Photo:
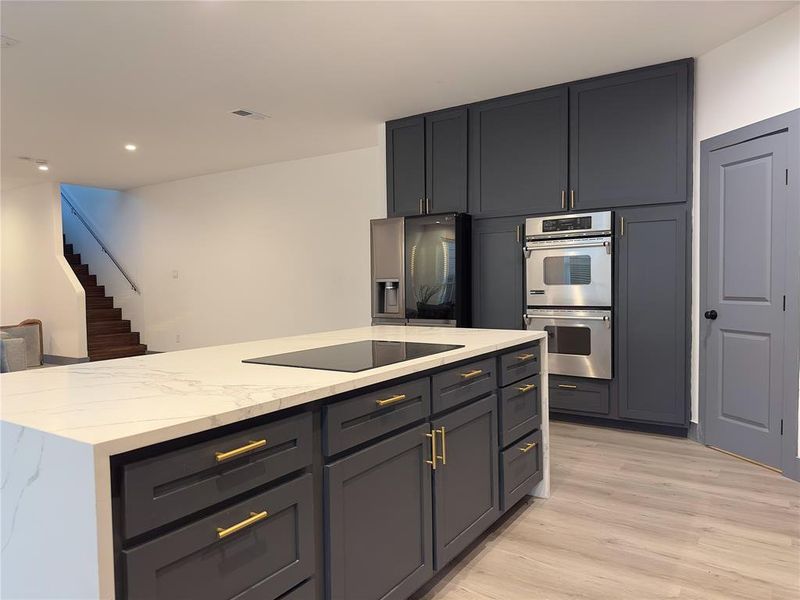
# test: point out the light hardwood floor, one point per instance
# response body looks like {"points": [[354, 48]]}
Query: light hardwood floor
{"points": [[640, 516]]}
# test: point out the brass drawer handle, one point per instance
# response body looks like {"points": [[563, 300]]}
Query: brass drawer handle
{"points": [[527, 388], [389, 401], [223, 532], [443, 455], [567, 386], [525, 356], [249, 447], [471, 374], [528, 447], [432, 461]]}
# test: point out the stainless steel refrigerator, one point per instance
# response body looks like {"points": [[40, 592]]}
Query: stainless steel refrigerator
{"points": [[421, 270]]}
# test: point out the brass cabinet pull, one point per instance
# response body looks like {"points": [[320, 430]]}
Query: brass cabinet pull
{"points": [[471, 374], [223, 532], [528, 447], [518, 236], [443, 455], [427, 205], [249, 447], [527, 388], [432, 461], [393, 400], [567, 386], [525, 356], [421, 207], [572, 198], [621, 226], [564, 199]]}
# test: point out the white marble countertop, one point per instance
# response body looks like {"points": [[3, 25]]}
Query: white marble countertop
{"points": [[119, 405]]}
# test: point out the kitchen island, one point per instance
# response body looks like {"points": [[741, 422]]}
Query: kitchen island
{"points": [[193, 474]]}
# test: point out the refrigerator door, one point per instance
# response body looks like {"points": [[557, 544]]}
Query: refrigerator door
{"points": [[388, 285], [435, 268]]}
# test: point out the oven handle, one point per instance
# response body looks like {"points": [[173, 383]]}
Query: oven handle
{"points": [[553, 318], [568, 246]]}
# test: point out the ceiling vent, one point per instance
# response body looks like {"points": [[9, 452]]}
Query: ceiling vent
{"points": [[249, 114]]}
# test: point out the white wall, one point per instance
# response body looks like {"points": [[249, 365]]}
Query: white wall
{"points": [[35, 280], [267, 251], [750, 78]]}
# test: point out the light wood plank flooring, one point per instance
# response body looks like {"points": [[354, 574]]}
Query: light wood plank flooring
{"points": [[640, 516]]}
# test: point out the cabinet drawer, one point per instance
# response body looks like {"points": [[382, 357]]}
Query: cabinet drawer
{"points": [[164, 488], [519, 364], [522, 469], [582, 395], [464, 383], [520, 409], [302, 592], [266, 557], [368, 416]]}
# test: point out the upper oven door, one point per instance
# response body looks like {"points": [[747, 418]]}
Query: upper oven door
{"points": [[573, 272]]}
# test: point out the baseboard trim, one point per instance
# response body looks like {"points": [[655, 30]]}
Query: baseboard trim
{"points": [[154, 352], [627, 425], [54, 359]]}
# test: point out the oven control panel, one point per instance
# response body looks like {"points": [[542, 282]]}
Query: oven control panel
{"points": [[571, 224]]}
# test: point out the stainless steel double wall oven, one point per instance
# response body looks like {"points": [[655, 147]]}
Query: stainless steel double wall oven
{"points": [[568, 275]]}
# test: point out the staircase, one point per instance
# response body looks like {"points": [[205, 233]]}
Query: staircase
{"points": [[108, 334]]}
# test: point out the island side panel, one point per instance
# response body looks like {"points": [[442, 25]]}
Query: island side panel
{"points": [[542, 489], [49, 517]]}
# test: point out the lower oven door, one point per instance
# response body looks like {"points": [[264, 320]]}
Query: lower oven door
{"points": [[578, 341]]}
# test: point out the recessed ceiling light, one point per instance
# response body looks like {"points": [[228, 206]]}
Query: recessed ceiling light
{"points": [[43, 167], [130, 147]]}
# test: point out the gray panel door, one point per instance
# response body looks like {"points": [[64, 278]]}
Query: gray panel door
{"points": [[446, 161], [518, 154], [379, 514], [498, 294], [651, 314], [405, 166], [466, 482], [629, 138], [745, 254]]}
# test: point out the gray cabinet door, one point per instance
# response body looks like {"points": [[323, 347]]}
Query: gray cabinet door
{"points": [[466, 481], [651, 319], [446, 161], [498, 283], [378, 515], [629, 138], [518, 154], [405, 166]]}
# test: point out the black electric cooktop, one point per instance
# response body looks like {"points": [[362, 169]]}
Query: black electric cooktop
{"points": [[353, 357]]}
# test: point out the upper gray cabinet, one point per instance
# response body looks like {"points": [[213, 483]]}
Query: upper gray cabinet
{"points": [[629, 138], [518, 154], [426, 164], [405, 166]]}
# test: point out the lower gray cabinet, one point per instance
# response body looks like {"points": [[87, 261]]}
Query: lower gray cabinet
{"points": [[466, 477], [652, 319], [378, 519], [581, 395], [256, 549]]}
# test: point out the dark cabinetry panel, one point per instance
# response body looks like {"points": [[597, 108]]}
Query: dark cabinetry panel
{"points": [[629, 138], [405, 166], [446, 161], [261, 560], [464, 383], [467, 479], [575, 394], [518, 153], [379, 519], [522, 468], [651, 314], [498, 295], [426, 164]]}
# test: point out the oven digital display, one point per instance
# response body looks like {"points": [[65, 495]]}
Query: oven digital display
{"points": [[569, 224]]}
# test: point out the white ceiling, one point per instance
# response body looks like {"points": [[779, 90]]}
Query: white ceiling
{"points": [[89, 77]]}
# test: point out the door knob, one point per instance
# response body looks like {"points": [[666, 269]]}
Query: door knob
{"points": [[710, 314]]}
